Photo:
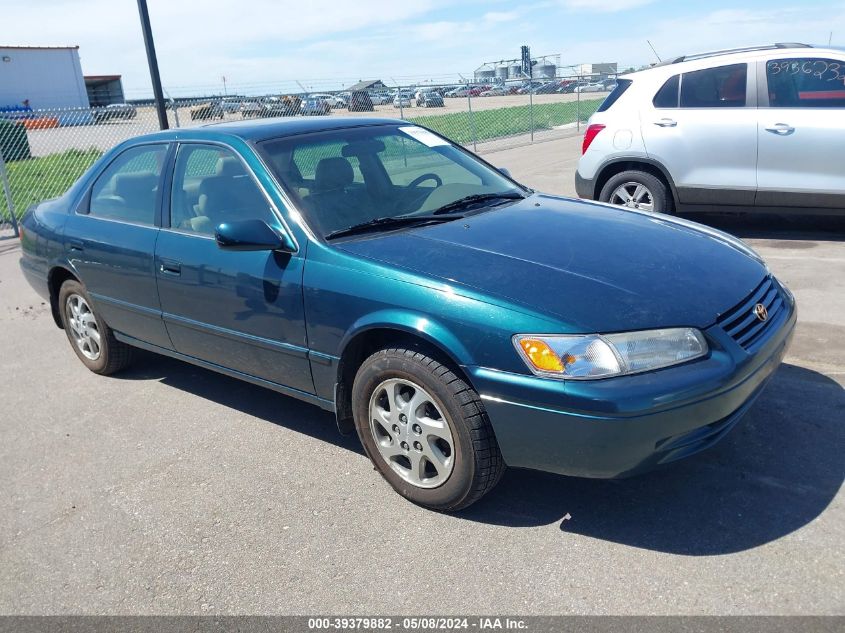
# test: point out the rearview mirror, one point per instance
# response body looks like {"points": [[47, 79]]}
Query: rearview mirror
{"points": [[252, 235]]}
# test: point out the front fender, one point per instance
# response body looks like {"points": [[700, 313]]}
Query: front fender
{"points": [[424, 326]]}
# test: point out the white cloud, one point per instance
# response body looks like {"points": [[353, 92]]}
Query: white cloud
{"points": [[604, 6]]}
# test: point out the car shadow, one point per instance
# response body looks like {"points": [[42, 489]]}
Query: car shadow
{"points": [[242, 396], [777, 471], [775, 227]]}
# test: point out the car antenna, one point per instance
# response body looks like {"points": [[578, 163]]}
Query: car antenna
{"points": [[654, 51]]}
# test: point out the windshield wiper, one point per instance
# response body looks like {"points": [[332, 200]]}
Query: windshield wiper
{"points": [[467, 201], [389, 223]]}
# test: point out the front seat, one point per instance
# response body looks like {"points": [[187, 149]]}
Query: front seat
{"points": [[229, 195], [336, 206]]}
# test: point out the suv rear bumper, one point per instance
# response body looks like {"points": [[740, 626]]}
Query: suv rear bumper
{"points": [[584, 187]]}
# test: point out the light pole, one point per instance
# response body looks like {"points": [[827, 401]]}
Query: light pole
{"points": [[153, 63]]}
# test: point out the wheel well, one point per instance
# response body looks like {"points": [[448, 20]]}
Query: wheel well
{"points": [[364, 345], [617, 168], [55, 279]]}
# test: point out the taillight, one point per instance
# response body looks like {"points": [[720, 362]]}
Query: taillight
{"points": [[591, 133]]}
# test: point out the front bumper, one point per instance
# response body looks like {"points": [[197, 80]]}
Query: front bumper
{"points": [[621, 426]]}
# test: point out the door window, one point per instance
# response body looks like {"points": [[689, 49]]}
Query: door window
{"points": [[211, 186], [127, 189], [721, 87], [806, 82]]}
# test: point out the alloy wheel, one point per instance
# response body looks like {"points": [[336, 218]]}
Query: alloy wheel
{"points": [[84, 328], [411, 433], [633, 195]]}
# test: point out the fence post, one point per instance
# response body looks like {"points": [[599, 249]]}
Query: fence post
{"points": [[531, 112], [176, 113], [471, 120], [399, 96], [578, 105], [7, 191]]}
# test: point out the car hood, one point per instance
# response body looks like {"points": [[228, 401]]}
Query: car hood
{"points": [[594, 267]]}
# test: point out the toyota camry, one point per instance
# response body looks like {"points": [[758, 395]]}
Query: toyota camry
{"points": [[454, 319]]}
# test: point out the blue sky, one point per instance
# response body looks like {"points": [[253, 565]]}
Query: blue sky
{"points": [[267, 45]]}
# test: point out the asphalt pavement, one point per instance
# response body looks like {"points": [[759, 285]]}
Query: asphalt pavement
{"points": [[170, 489]]}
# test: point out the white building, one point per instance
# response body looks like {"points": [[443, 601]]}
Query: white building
{"points": [[42, 77]]}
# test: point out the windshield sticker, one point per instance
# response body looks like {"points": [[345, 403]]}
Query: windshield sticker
{"points": [[423, 136]]}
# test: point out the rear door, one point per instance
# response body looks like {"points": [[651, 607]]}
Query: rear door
{"points": [[111, 239], [702, 127], [802, 133]]}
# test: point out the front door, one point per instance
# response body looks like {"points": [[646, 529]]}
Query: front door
{"points": [[240, 310], [702, 126], [111, 238], [802, 134]]}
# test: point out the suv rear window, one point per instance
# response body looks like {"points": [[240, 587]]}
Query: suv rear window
{"points": [[621, 86], [720, 87], [667, 96]]}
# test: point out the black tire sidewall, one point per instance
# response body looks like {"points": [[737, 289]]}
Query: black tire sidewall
{"points": [[658, 190], [74, 287], [389, 364]]}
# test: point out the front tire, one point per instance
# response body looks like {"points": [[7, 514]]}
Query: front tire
{"points": [[637, 189], [425, 430], [91, 339]]}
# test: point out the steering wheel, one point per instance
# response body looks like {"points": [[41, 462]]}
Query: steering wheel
{"points": [[419, 179]]}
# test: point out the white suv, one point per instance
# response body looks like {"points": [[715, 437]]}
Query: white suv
{"points": [[759, 128]]}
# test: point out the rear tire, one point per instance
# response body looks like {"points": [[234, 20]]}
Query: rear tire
{"points": [[425, 430], [637, 189], [91, 339]]}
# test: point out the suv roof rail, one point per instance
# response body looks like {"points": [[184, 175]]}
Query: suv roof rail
{"points": [[729, 51]]}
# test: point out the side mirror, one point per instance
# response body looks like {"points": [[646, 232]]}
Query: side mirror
{"points": [[506, 172], [252, 235]]}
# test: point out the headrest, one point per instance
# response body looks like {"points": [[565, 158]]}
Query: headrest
{"points": [[333, 173], [228, 166]]}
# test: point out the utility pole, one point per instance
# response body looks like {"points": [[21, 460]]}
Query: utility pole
{"points": [[224, 86], [153, 63]]}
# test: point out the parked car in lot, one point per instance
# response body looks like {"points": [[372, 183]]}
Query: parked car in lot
{"points": [[403, 100], [494, 92], [752, 129], [429, 99], [334, 101], [114, 112], [313, 106], [571, 86], [590, 87], [204, 111], [250, 109], [359, 101], [230, 105], [289, 105], [381, 98], [455, 320]]}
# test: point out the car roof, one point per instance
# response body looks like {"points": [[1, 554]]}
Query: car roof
{"points": [[722, 58], [263, 129]]}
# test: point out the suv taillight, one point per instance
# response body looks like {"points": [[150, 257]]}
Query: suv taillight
{"points": [[591, 133]]}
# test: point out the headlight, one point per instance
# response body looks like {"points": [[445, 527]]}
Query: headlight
{"points": [[588, 356]]}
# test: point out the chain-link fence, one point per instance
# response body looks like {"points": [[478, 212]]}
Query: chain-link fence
{"points": [[42, 152]]}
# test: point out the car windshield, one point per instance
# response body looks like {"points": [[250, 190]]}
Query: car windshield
{"points": [[349, 177]]}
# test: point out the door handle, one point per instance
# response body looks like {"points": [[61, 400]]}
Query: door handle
{"points": [[666, 123], [76, 245], [169, 267], [780, 128]]}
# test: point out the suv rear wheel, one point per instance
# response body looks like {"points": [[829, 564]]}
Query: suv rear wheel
{"points": [[636, 189]]}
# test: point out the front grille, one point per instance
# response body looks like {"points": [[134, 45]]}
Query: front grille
{"points": [[741, 322]]}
